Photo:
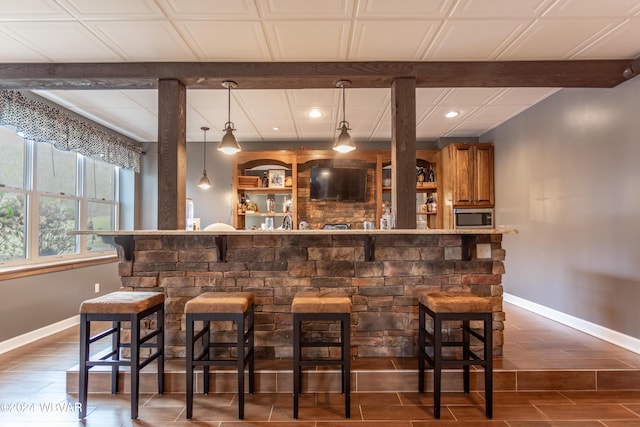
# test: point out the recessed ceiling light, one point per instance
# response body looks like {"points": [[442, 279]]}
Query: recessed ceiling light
{"points": [[452, 114], [276, 128], [315, 113]]}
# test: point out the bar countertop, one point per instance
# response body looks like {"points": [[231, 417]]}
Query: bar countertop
{"points": [[295, 232]]}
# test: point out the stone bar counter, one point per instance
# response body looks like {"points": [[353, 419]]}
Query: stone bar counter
{"points": [[382, 270]]}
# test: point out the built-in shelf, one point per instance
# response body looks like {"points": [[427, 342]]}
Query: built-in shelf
{"points": [[263, 214], [266, 189], [426, 186]]}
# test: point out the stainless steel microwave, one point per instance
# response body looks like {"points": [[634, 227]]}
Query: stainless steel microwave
{"points": [[473, 218]]}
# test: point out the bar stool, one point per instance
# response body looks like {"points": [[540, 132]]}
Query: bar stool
{"points": [[118, 307], [327, 308], [215, 307], [447, 306]]}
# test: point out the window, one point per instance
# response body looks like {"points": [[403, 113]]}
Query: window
{"points": [[46, 192]]}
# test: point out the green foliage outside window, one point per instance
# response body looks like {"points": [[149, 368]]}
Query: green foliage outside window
{"points": [[12, 226]]}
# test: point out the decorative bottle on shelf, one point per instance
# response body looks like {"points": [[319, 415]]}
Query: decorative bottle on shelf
{"points": [[265, 179], [421, 176], [431, 175], [388, 220]]}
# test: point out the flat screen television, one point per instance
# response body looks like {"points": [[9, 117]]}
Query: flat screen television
{"points": [[338, 184]]}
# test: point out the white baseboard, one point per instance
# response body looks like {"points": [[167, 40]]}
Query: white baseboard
{"points": [[606, 334], [43, 332]]}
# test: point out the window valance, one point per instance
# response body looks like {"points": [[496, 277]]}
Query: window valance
{"points": [[37, 121]]}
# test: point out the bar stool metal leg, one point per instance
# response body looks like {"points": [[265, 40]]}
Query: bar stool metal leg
{"points": [[240, 340], [297, 374], [346, 366], [84, 369], [189, 368], [488, 369], [437, 365]]}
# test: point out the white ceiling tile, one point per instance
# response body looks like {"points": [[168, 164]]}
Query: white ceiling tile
{"points": [[146, 98], [313, 97], [365, 97], [522, 96], [265, 117], [550, 39], [63, 41], [114, 9], [14, 51], [590, 8], [324, 128], [500, 8], [209, 9], [262, 98], [496, 113], [31, 9], [292, 40], [391, 40], [208, 98], [109, 99], [162, 42], [212, 40], [305, 9], [469, 96], [430, 96], [622, 42], [470, 129], [141, 124], [473, 40], [404, 9]]}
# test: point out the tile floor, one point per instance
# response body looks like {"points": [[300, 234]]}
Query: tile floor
{"points": [[33, 390]]}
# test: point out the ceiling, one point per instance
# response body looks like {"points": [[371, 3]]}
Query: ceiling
{"points": [[47, 31]]}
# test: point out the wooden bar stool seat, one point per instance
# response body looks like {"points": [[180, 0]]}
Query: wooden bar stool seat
{"points": [[322, 308], [455, 306], [217, 307], [118, 307]]}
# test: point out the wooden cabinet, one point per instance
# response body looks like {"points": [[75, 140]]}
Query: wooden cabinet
{"points": [[468, 178], [471, 169]]}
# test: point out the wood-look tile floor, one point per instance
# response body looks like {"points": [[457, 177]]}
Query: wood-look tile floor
{"points": [[33, 391]]}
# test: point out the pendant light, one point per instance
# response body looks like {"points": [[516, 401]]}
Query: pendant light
{"points": [[204, 183], [344, 143], [229, 143]]}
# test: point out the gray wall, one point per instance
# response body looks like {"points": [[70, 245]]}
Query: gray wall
{"points": [[34, 302], [567, 176]]}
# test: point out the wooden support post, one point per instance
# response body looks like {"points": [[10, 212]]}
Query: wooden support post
{"points": [[172, 155], [403, 151]]}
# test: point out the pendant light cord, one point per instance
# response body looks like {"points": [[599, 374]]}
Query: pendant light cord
{"points": [[229, 104], [344, 112], [204, 158]]}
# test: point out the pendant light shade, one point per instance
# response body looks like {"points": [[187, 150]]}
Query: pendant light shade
{"points": [[229, 143], [204, 183], [344, 143]]}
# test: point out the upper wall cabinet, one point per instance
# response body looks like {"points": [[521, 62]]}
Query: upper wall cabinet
{"points": [[471, 175]]}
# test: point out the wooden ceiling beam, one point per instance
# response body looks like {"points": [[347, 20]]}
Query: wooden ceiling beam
{"points": [[305, 75]]}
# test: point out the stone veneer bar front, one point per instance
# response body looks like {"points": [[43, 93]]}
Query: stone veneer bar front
{"points": [[382, 271]]}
